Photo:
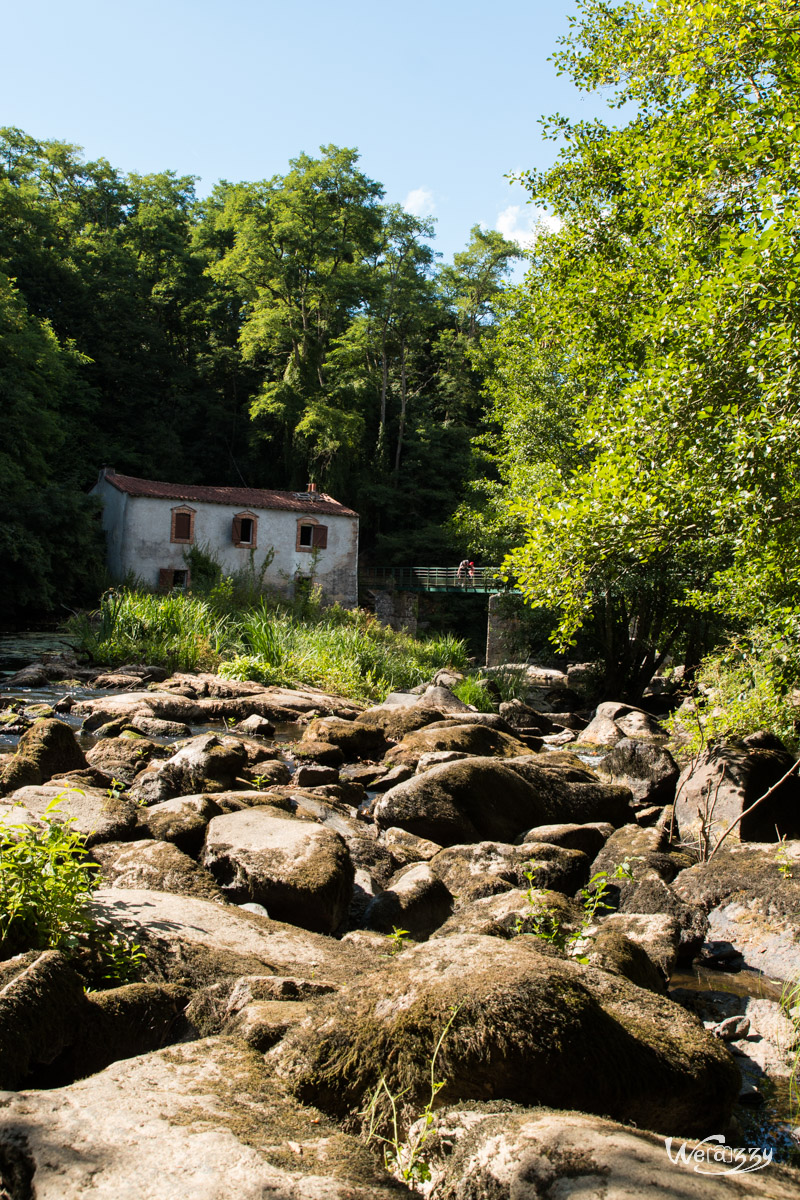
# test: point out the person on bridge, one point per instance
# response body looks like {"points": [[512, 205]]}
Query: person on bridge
{"points": [[466, 571]]}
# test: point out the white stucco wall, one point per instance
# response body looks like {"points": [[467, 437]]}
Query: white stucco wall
{"points": [[138, 539]]}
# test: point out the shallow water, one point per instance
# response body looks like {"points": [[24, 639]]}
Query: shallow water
{"points": [[19, 649]]}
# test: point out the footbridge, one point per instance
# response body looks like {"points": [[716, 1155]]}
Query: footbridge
{"points": [[485, 580], [395, 592]]}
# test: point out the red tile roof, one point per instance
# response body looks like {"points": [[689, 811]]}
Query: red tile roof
{"points": [[302, 502]]}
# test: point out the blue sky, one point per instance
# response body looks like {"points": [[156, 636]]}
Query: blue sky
{"points": [[442, 99]]}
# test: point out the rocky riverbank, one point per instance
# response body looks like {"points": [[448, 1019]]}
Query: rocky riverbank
{"points": [[318, 912]]}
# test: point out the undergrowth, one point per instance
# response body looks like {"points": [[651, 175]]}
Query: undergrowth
{"points": [[339, 650]]}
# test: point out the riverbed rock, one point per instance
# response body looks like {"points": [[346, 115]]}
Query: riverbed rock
{"points": [[406, 848], [41, 1006], [48, 748], [570, 792], [614, 721], [589, 838], [182, 820], [527, 1027], [518, 911], [157, 865], [490, 867], [508, 1152], [415, 900], [466, 737], [100, 817], [612, 950], [115, 1024], [659, 934], [124, 757], [324, 753], [299, 870], [155, 727], [353, 739], [751, 894], [724, 781], [202, 1120], [469, 800], [201, 943], [395, 721], [647, 768], [206, 763]]}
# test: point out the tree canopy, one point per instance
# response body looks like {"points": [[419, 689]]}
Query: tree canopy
{"points": [[645, 378]]}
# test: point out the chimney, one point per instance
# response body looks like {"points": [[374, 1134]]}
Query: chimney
{"points": [[312, 487], [105, 471]]}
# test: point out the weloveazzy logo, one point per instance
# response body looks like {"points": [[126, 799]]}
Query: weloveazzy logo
{"points": [[713, 1157]]}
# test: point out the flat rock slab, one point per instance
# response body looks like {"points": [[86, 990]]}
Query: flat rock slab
{"points": [[93, 813], [203, 942], [299, 870], [527, 1154], [751, 893], [194, 705], [202, 1120]]}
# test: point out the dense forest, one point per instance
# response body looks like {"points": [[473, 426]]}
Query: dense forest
{"points": [[276, 332]]}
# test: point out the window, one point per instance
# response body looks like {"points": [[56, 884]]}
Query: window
{"points": [[182, 529], [311, 535], [243, 530], [168, 578]]}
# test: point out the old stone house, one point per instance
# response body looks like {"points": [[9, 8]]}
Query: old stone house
{"points": [[150, 526]]}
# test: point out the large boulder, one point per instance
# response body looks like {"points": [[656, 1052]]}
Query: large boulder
{"points": [[202, 1120], [468, 737], [48, 748], [490, 867], [589, 838], [752, 897], [396, 720], [157, 865], [199, 942], [508, 914], [724, 781], [469, 800], [353, 739], [206, 763], [300, 871], [571, 792], [647, 768], [98, 815], [512, 1153], [517, 1024]]}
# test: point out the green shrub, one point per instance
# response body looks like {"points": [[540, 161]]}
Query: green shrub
{"points": [[46, 884], [472, 690], [746, 686]]}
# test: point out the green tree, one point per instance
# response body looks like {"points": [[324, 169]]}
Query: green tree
{"points": [[665, 314]]}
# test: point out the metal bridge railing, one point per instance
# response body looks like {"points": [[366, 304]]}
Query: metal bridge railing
{"points": [[435, 579]]}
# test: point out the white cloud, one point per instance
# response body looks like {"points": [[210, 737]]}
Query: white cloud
{"points": [[420, 202], [522, 223]]}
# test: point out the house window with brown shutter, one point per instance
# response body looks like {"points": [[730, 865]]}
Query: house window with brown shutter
{"points": [[311, 535], [182, 528], [168, 579], [244, 529]]}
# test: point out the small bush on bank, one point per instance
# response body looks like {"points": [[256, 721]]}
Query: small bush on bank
{"points": [[472, 690]]}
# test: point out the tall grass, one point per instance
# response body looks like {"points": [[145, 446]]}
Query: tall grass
{"points": [[176, 631], [342, 651]]}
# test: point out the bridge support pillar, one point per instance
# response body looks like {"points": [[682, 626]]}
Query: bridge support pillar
{"points": [[398, 610], [503, 631]]}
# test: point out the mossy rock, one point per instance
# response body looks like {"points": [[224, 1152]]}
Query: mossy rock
{"points": [[524, 1026], [473, 738], [48, 748]]}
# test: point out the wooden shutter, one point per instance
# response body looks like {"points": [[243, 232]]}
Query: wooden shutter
{"points": [[319, 537], [183, 526], [237, 530], [165, 578]]}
